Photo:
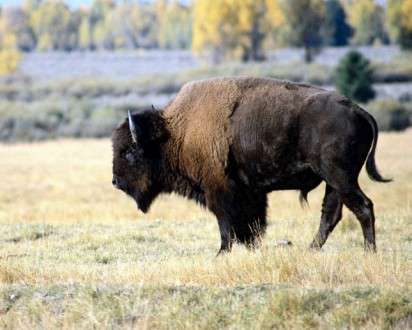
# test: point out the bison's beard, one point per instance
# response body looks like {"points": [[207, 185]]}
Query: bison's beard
{"points": [[144, 200], [142, 204]]}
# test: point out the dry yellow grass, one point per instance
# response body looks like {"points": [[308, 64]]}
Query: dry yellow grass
{"points": [[75, 253]]}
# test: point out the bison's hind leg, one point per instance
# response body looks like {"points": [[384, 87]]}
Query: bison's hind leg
{"points": [[362, 207], [346, 185], [331, 215], [356, 201], [340, 164]]}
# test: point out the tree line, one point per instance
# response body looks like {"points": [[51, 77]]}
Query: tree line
{"points": [[219, 29], [245, 28], [46, 25]]}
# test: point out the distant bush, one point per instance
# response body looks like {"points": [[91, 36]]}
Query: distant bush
{"points": [[87, 107], [354, 77], [31, 110], [399, 69], [390, 115], [53, 118]]}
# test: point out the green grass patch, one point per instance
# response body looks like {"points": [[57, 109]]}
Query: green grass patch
{"points": [[179, 307]]}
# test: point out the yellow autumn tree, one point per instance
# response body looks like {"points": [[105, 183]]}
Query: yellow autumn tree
{"points": [[407, 14], [234, 28], [9, 54], [399, 20], [212, 32]]}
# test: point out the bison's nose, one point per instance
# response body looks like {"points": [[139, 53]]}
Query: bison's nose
{"points": [[119, 183]]}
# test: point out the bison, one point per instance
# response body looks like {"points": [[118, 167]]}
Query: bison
{"points": [[227, 142]]}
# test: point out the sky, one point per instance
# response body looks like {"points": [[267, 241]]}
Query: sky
{"points": [[72, 3], [77, 3]]}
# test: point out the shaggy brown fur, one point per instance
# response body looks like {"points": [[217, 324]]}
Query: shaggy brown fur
{"points": [[227, 142]]}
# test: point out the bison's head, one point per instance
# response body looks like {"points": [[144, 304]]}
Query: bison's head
{"points": [[137, 159]]}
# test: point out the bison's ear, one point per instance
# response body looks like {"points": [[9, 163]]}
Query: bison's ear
{"points": [[148, 130], [133, 127]]}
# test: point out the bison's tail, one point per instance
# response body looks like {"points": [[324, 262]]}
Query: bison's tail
{"points": [[371, 168]]}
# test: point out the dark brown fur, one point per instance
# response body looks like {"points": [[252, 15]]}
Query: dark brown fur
{"points": [[228, 142]]}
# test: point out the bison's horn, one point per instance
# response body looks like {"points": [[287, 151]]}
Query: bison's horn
{"points": [[153, 107], [132, 127]]}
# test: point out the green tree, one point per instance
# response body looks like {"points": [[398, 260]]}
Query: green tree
{"points": [[103, 37], [132, 26], [354, 77], [304, 20], [367, 18], [126, 25], [55, 27], [85, 34], [18, 22], [393, 18], [99, 10], [100, 33], [29, 5], [175, 24], [337, 31]]}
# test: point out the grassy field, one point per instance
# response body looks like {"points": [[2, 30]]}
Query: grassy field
{"points": [[75, 253]]}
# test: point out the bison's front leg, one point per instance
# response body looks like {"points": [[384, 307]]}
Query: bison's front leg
{"points": [[331, 215], [221, 205], [250, 225], [226, 235], [241, 217]]}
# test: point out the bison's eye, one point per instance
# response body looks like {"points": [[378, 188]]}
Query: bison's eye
{"points": [[130, 157]]}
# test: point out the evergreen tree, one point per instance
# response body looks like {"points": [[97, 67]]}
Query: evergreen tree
{"points": [[337, 32], [354, 77]]}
